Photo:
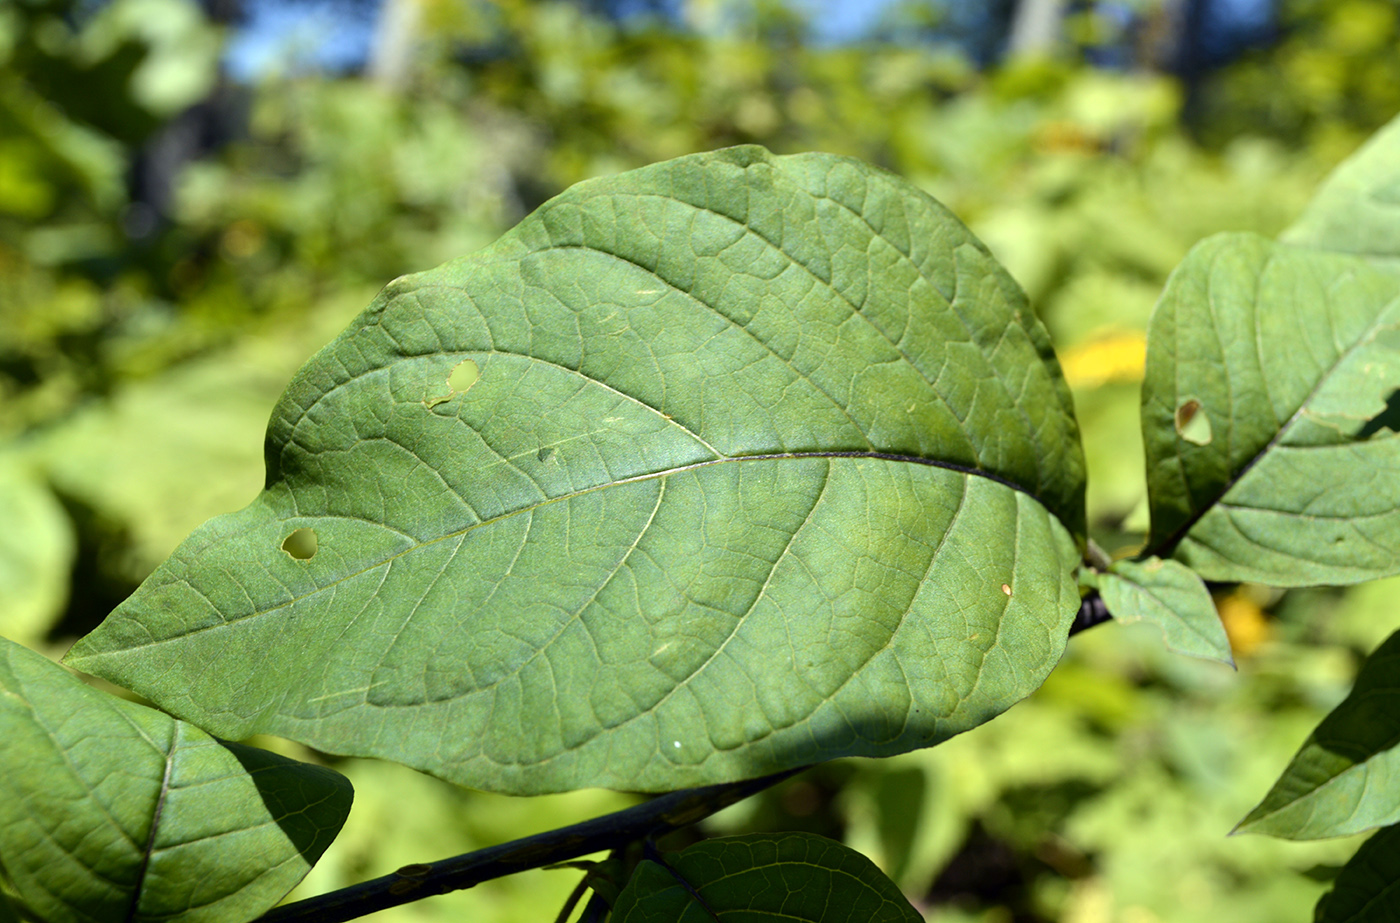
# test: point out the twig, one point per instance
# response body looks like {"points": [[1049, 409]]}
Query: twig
{"points": [[1092, 611], [611, 831]]}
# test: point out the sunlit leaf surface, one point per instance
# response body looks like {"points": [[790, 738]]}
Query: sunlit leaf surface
{"points": [[723, 466], [113, 811]]}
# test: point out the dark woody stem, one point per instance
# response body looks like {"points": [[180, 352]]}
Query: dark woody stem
{"points": [[656, 817]]}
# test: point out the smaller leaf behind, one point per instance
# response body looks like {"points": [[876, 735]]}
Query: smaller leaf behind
{"points": [[113, 811], [1342, 780], [1357, 210], [1368, 888], [786, 878], [1269, 373], [1169, 595]]}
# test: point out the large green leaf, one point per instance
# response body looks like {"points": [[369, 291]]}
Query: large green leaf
{"points": [[113, 811], [1368, 888], [784, 878], [723, 466], [1268, 415], [1342, 781], [1357, 210]]}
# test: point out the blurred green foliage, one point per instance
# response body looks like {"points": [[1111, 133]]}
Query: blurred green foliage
{"points": [[155, 298], [1337, 61]]}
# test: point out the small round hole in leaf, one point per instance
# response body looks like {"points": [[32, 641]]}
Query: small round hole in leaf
{"points": [[301, 544], [463, 376], [1192, 423]]}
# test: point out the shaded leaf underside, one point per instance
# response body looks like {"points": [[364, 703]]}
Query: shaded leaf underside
{"points": [[764, 461], [794, 878], [1368, 888]]}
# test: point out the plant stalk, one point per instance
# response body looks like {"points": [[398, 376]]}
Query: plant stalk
{"points": [[410, 883]]}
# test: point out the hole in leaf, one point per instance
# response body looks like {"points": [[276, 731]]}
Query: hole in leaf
{"points": [[1192, 423], [463, 376], [1389, 418], [301, 544]]}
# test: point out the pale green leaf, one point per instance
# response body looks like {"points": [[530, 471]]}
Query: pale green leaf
{"points": [[113, 811], [36, 553], [783, 878], [728, 465], [1368, 888], [1272, 453], [1357, 209], [1342, 781], [1170, 596]]}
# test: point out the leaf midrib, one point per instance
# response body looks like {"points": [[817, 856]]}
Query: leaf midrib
{"points": [[134, 909], [653, 475]]}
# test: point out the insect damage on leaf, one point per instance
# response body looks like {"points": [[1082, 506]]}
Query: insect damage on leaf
{"points": [[301, 544], [463, 375], [1192, 423], [1389, 418]]}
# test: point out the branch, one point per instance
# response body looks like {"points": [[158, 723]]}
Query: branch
{"points": [[657, 817], [1092, 611]]}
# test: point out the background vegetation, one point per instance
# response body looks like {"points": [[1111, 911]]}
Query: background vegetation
{"points": [[174, 244]]}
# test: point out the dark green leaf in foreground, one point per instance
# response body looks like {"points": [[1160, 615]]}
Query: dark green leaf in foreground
{"points": [[719, 467], [1368, 888], [1357, 210], [1342, 781], [1168, 595], [113, 811], [10, 911], [786, 878], [1269, 415]]}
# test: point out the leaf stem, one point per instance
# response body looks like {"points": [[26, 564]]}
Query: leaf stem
{"points": [[596, 911], [657, 817], [575, 896]]}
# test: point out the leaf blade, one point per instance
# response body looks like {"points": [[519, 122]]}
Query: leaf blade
{"points": [[1337, 782], [1357, 209]]}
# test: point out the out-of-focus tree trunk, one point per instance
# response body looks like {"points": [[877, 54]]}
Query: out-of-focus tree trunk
{"points": [[394, 37], [1035, 28]]}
